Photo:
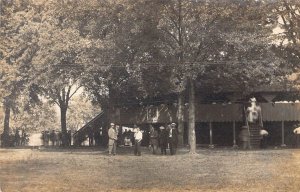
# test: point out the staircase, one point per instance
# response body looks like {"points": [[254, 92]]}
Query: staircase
{"points": [[255, 137], [82, 134]]}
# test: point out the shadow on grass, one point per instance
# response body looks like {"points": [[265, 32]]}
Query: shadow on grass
{"points": [[121, 151]]}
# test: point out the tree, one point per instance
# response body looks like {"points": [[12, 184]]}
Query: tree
{"points": [[287, 36], [18, 46], [59, 61]]}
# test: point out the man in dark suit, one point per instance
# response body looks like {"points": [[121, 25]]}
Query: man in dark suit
{"points": [[153, 139], [172, 138], [163, 142]]}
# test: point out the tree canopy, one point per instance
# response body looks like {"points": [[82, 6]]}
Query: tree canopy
{"points": [[134, 49]]}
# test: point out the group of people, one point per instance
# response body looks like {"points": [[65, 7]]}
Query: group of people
{"points": [[17, 139], [165, 137], [113, 133], [95, 137], [21, 138], [55, 137]]}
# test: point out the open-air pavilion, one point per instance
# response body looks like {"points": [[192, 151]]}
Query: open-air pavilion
{"points": [[218, 120]]}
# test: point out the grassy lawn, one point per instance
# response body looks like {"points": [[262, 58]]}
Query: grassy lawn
{"points": [[92, 170]]}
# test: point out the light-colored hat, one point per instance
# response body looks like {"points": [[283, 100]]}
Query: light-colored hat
{"points": [[112, 124], [161, 127], [173, 124]]}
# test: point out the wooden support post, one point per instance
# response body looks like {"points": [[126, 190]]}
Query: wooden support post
{"points": [[282, 134], [211, 145], [234, 136]]}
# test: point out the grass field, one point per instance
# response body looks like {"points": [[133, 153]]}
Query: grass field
{"points": [[86, 169]]}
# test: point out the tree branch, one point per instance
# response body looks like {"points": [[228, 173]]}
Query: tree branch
{"points": [[74, 92], [172, 35], [68, 92], [63, 91], [58, 95]]}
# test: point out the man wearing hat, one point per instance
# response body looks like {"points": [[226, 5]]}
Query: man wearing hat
{"points": [[172, 138], [163, 142], [112, 138], [153, 139]]}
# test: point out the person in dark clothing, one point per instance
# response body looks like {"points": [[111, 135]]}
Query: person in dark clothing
{"points": [[146, 138], [131, 136], [69, 136], [172, 138], [119, 135], [24, 138], [163, 140], [59, 138], [153, 139], [97, 137], [17, 138], [53, 137], [47, 138], [91, 137]]}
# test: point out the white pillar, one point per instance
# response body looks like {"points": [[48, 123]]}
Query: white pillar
{"points": [[234, 136], [211, 145], [282, 134]]}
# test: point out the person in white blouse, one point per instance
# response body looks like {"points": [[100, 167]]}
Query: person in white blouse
{"points": [[138, 136]]}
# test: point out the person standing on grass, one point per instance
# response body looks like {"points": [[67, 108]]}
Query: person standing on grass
{"points": [[112, 138], [69, 136], [53, 137], [172, 138], [153, 139], [138, 136], [91, 137], [47, 137], [163, 140], [119, 134], [17, 138]]}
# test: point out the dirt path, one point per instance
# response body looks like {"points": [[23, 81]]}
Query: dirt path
{"points": [[88, 170]]}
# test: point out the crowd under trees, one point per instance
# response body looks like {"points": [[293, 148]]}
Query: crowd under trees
{"points": [[141, 48]]}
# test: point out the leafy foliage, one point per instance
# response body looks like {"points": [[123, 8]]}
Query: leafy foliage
{"points": [[81, 111], [38, 118]]}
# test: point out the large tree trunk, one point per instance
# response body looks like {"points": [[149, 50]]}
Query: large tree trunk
{"points": [[5, 135], [181, 60], [192, 137], [63, 121], [180, 118]]}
